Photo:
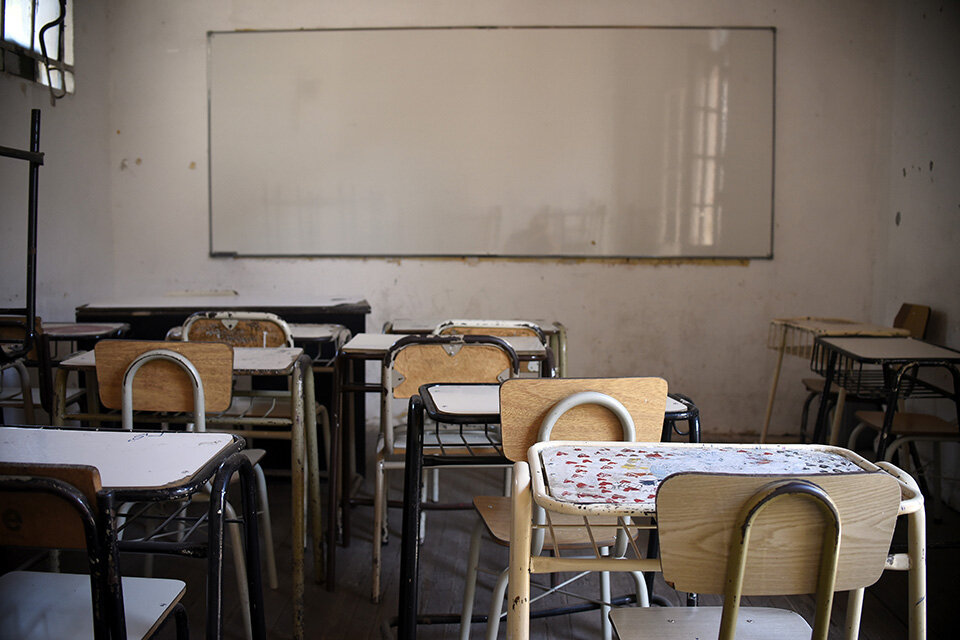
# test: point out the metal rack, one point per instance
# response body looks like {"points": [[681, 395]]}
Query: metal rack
{"points": [[18, 346]]}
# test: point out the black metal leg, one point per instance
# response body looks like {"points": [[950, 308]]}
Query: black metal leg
{"points": [[333, 474], [410, 531], [820, 428], [183, 626], [251, 525], [218, 500]]}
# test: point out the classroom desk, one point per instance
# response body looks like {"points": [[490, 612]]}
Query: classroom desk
{"points": [[882, 368], [139, 466], [76, 331], [469, 404], [637, 498], [150, 316], [288, 362], [555, 332], [795, 336], [361, 348]]}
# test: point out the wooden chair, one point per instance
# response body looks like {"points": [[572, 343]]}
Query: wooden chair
{"points": [[183, 377], [743, 535], [238, 329], [912, 317], [56, 506], [414, 361], [501, 329], [253, 329], [533, 410]]}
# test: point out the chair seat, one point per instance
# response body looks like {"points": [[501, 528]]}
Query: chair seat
{"points": [[753, 623], [495, 512], [910, 424], [815, 385], [37, 606]]}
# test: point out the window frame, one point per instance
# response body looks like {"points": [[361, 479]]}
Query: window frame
{"points": [[29, 63]]}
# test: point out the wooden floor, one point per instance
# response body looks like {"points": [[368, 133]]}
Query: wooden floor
{"points": [[348, 612]]}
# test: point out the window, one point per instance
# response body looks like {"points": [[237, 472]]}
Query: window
{"points": [[37, 42]]}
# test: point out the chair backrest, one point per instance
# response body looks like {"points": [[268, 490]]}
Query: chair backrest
{"points": [[417, 360], [163, 385], [500, 328], [13, 334], [525, 402], [914, 318], [701, 515], [238, 329], [41, 504]]}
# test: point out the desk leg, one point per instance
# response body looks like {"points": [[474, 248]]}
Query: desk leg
{"points": [[518, 600], [333, 472], [821, 425], [773, 388], [313, 467], [59, 398], [838, 417], [410, 528], [917, 576], [297, 453], [237, 463], [854, 610]]}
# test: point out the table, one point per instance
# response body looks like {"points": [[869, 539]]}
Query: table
{"points": [[153, 466], [795, 336], [555, 332], [468, 404], [150, 316], [882, 368], [289, 362], [589, 499]]}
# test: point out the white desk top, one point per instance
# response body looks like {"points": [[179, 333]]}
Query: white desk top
{"points": [[246, 360], [125, 459], [475, 399], [421, 325], [377, 344], [623, 477], [891, 348], [467, 399]]}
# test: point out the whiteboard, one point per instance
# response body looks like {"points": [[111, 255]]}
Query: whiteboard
{"points": [[515, 142]]}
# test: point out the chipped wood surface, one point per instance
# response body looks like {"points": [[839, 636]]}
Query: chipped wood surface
{"points": [[419, 364], [525, 402]]}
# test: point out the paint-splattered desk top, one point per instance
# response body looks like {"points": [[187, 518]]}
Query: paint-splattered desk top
{"points": [[624, 477]]}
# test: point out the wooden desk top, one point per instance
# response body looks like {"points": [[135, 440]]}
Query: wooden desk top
{"points": [[796, 335], [246, 361], [125, 459], [484, 399]]}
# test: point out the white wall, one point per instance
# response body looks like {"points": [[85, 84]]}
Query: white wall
{"points": [[921, 250], [143, 203], [75, 225]]}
